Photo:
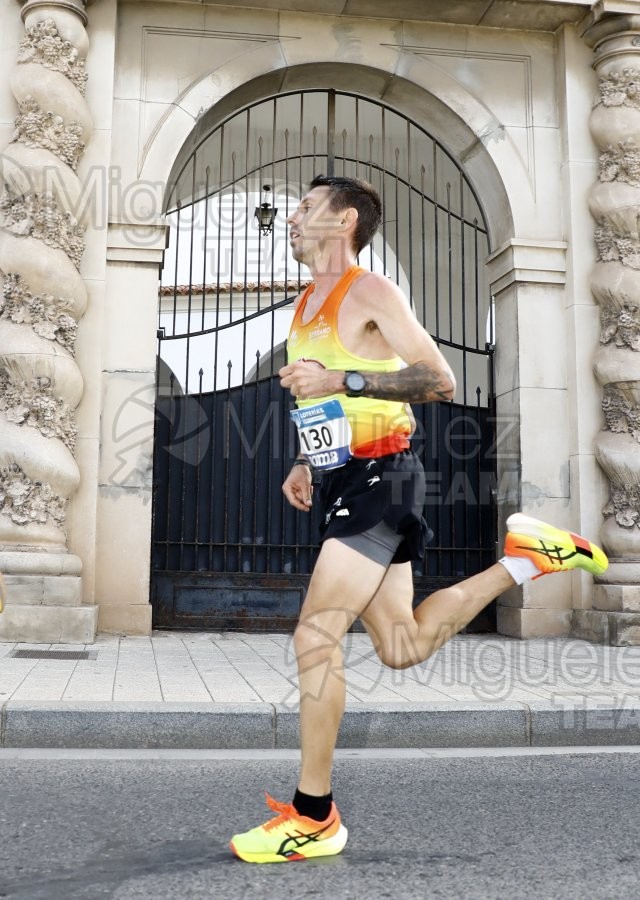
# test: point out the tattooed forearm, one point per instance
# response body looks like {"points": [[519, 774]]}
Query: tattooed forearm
{"points": [[418, 383]]}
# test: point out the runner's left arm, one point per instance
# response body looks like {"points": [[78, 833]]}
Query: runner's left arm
{"points": [[427, 375]]}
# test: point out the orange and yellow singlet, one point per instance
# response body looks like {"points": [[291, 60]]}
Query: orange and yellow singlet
{"points": [[379, 427]]}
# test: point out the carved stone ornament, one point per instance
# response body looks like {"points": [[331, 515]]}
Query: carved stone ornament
{"points": [[621, 326], [621, 162], [621, 416], [27, 502], [34, 403], [39, 216], [614, 248], [48, 316], [625, 506], [37, 128], [620, 88], [44, 45]]}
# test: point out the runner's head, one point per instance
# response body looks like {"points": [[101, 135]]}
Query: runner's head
{"points": [[353, 193]]}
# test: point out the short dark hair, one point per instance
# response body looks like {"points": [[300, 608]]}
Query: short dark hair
{"points": [[353, 192]]}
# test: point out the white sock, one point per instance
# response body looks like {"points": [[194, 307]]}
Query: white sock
{"points": [[521, 568]]}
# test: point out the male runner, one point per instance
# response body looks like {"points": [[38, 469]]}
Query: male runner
{"points": [[355, 340]]}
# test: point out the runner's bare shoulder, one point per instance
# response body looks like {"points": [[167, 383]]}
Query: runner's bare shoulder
{"points": [[376, 291]]}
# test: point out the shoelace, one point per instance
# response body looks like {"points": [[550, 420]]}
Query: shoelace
{"points": [[284, 810]]}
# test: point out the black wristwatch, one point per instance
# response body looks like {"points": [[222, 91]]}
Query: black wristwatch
{"points": [[354, 383]]}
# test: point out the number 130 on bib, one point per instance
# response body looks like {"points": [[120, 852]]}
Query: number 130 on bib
{"points": [[324, 433]]}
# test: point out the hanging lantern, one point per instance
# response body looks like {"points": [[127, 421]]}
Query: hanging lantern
{"points": [[265, 213]]}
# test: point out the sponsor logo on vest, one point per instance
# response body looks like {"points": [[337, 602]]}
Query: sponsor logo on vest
{"points": [[329, 458], [319, 332]]}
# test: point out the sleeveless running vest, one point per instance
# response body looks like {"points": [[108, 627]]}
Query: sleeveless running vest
{"points": [[379, 427]]}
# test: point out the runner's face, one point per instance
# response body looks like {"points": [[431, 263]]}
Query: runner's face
{"points": [[313, 225]]}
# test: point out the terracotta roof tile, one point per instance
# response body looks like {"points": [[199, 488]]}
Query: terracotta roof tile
{"points": [[238, 287]]}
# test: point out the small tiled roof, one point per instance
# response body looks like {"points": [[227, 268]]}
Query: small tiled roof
{"points": [[228, 287]]}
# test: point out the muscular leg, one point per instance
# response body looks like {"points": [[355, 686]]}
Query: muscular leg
{"points": [[402, 636], [346, 585], [342, 585]]}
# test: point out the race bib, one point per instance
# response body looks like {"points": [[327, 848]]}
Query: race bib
{"points": [[324, 433]]}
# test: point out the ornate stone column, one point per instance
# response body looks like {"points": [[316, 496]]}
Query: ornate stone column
{"points": [[614, 33], [43, 297]]}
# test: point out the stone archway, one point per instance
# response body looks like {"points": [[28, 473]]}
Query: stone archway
{"points": [[489, 158], [468, 129]]}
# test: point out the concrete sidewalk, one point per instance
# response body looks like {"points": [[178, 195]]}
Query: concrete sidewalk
{"points": [[205, 690]]}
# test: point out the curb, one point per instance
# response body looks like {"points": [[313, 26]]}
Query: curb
{"points": [[230, 726]]}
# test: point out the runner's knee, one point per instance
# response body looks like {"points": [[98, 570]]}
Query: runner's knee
{"points": [[311, 641], [393, 644], [388, 657], [396, 658], [403, 645]]}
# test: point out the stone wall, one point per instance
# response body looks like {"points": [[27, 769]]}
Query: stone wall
{"points": [[513, 106]]}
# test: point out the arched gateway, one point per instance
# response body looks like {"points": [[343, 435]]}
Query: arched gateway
{"points": [[227, 549]]}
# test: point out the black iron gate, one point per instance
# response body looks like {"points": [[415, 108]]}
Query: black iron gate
{"points": [[227, 550]]}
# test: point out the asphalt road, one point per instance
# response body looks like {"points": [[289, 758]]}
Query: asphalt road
{"points": [[523, 826]]}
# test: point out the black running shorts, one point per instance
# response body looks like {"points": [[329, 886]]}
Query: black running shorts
{"points": [[390, 489]]}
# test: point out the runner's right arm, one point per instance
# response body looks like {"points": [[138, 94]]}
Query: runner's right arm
{"points": [[298, 487]]}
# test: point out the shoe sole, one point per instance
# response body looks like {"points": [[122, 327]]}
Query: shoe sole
{"points": [[314, 849], [518, 523]]}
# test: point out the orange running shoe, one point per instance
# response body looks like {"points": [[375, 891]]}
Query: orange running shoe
{"points": [[551, 549], [290, 837]]}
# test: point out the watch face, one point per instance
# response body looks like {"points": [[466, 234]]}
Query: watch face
{"points": [[355, 381]]}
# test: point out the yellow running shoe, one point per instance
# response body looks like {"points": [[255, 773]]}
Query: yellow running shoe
{"points": [[552, 549], [290, 837]]}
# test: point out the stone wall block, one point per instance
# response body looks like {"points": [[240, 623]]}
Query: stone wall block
{"points": [[590, 625], [45, 624], [623, 571], [624, 630], [617, 597], [614, 628]]}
